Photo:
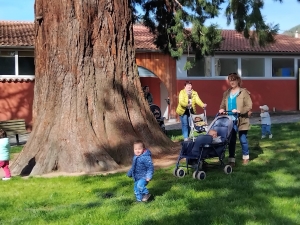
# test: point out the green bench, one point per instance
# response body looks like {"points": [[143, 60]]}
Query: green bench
{"points": [[14, 127]]}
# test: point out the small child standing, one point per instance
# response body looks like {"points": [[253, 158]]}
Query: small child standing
{"points": [[4, 154], [141, 171], [265, 122]]}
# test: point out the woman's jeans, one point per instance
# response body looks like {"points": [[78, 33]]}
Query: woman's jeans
{"points": [[243, 141], [265, 129], [185, 127], [140, 189]]}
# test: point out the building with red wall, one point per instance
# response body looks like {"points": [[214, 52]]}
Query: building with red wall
{"points": [[270, 73]]}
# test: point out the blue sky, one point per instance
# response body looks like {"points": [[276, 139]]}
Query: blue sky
{"points": [[287, 14]]}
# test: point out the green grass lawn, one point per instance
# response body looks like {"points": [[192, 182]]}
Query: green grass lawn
{"points": [[16, 149], [266, 191]]}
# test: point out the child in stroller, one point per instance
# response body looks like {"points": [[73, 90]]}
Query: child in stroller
{"points": [[212, 144], [214, 134], [157, 114], [199, 122]]}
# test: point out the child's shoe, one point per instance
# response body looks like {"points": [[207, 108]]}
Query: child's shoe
{"points": [[6, 178], [263, 136], [271, 136], [146, 197]]}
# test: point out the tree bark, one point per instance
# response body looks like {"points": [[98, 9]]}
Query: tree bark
{"points": [[88, 102]]}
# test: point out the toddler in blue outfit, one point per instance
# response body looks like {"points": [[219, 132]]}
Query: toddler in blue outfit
{"points": [[265, 122], [141, 171]]}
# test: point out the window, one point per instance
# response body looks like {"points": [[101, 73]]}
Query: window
{"points": [[26, 62], [143, 72], [283, 67], [16, 63], [253, 67], [225, 66], [198, 68], [7, 63]]}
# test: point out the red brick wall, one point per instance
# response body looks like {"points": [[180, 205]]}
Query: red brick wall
{"points": [[154, 86], [16, 99], [164, 67], [281, 94]]}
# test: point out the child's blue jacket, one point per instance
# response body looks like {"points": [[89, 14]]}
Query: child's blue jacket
{"points": [[142, 167]]}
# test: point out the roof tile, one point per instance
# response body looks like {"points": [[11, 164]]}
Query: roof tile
{"points": [[15, 33], [235, 42], [19, 34]]}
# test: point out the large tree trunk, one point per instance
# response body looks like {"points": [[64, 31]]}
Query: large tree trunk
{"points": [[88, 101]]}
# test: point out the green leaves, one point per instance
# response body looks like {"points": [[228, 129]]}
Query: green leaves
{"points": [[180, 26]]}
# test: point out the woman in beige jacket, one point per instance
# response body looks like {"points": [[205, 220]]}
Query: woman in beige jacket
{"points": [[237, 100], [188, 98]]}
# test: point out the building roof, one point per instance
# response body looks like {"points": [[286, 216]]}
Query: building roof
{"points": [[143, 38], [235, 42], [21, 34], [15, 34]]}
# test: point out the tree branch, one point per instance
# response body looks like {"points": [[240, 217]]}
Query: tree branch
{"points": [[179, 4]]}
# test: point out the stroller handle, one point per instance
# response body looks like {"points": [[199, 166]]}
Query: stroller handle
{"points": [[236, 114]]}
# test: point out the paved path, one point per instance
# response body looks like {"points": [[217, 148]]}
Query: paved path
{"points": [[292, 118]]}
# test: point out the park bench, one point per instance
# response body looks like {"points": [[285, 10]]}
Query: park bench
{"points": [[14, 127]]}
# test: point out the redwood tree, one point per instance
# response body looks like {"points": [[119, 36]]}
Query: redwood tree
{"points": [[88, 102]]}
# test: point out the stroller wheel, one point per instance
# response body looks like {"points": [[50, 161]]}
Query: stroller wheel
{"points": [[228, 169], [195, 174], [175, 172], [201, 175], [180, 173]]}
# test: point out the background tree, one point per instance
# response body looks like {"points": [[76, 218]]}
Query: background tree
{"points": [[88, 102]]}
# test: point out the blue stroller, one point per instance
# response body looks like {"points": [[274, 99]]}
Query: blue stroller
{"points": [[204, 148]]}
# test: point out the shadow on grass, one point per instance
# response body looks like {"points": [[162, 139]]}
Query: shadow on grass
{"points": [[251, 193], [246, 195], [264, 192]]}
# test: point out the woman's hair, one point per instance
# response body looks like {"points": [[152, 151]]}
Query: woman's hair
{"points": [[139, 142], [235, 76], [187, 82], [2, 134]]}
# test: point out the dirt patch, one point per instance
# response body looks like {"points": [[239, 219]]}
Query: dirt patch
{"points": [[163, 161]]}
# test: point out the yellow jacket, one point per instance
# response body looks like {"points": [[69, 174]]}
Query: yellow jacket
{"points": [[183, 102]]}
